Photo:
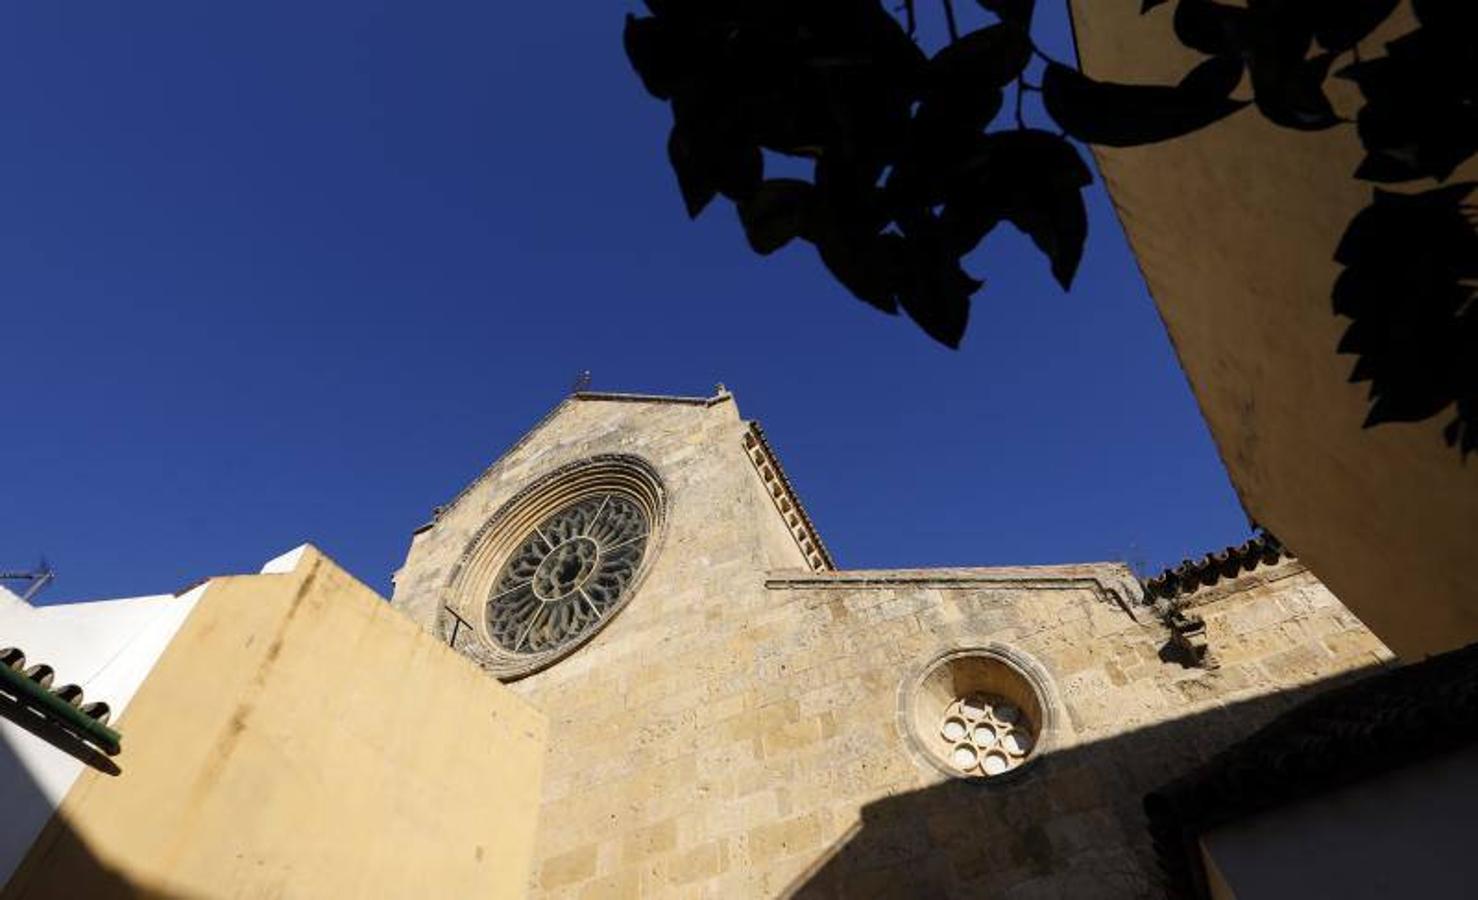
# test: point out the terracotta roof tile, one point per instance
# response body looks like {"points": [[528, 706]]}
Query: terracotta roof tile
{"points": [[1261, 550]]}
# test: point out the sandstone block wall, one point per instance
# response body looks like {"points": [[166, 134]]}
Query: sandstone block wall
{"points": [[717, 505], [735, 731], [762, 755]]}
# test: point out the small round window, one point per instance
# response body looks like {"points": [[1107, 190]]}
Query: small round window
{"points": [[976, 713], [987, 734]]}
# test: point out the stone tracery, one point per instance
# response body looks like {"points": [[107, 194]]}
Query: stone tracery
{"points": [[987, 734], [567, 574]]}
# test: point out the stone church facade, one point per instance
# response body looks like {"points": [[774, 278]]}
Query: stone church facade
{"points": [[730, 715]]}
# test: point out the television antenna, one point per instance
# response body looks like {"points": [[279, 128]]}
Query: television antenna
{"points": [[35, 579]]}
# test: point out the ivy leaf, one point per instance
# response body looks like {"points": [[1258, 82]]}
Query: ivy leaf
{"points": [[775, 213], [1123, 115]]}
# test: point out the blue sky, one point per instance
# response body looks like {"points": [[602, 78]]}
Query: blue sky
{"points": [[278, 272]]}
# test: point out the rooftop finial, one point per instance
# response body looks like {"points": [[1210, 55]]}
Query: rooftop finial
{"points": [[582, 382]]}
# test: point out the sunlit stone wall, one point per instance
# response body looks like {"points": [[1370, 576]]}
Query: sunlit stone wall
{"points": [[741, 728]]}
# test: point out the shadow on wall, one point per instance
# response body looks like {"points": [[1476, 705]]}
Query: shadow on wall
{"points": [[1071, 825], [33, 838]]}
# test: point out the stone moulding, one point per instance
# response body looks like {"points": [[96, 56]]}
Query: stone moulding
{"points": [[783, 495], [719, 396], [1119, 593], [461, 620]]}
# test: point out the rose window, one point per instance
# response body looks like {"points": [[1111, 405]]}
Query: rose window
{"points": [[987, 734], [567, 574]]}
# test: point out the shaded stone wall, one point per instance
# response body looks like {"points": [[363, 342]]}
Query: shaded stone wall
{"points": [[735, 731]]}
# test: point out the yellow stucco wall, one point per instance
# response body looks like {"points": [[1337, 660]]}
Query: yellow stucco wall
{"points": [[300, 738], [1235, 229]]}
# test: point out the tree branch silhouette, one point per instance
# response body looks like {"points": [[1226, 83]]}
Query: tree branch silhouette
{"points": [[910, 172]]}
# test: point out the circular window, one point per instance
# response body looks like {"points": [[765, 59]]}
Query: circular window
{"points": [[987, 734], [977, 713], [554, 565], [567, 574]]}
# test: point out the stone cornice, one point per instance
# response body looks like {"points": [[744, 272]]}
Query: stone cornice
{"points": [[1121, 592], [720, 395], [1191, 576], [787, 503]]}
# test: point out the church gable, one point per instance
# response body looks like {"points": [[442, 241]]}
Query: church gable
{"points": [[703, 482], [731, 714]]}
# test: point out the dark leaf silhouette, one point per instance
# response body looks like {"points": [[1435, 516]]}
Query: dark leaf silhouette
{"points": [[1033, 179], [963, 82], [1451, 16], [994, 55], [1018, 12], [908, 180], [1420, 118], [936, 291], [1123, 115], [1274, 37], [1290, 91], [656, 53], [1410, 285], [692, 175], [867, 263], [775, 213], [1214, 78], [1215, 29], [1341, 24]]}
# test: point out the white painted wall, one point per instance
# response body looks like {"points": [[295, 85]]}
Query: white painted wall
{"points": [[8, 601], [108, 648]]}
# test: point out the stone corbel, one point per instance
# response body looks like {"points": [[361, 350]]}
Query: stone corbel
{"points": [[1188, 635]]}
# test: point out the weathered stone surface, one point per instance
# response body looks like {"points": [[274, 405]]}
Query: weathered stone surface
{"points": [[734, 731]]}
